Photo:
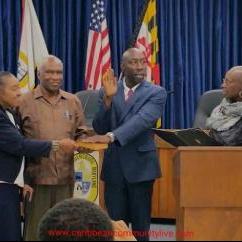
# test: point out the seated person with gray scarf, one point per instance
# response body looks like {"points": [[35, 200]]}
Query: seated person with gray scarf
{"points": [[225, 122]]}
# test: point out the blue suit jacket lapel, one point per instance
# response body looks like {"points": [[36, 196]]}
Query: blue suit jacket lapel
{"points": [[131, 104]]}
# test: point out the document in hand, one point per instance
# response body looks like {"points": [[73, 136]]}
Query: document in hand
{"points": [[186, 137]]}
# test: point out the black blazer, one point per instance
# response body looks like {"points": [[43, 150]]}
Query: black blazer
{"points": [[13, 146]]}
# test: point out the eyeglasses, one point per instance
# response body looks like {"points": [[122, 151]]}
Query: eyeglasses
{"points": [[227, 81]]}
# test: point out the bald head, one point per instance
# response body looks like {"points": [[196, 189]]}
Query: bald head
{"points": [[232, 84], [133, 66], [236, 72], [50, 74], [131, 52], [236, 68], [49, 60]]}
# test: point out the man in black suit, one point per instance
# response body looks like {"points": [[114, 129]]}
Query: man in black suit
{"points": [[13, 148]]}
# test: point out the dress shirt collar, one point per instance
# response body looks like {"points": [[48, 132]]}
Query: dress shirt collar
{"points": [[38, 93], [126, 88]]}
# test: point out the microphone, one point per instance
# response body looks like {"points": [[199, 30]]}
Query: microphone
{"points": [[170, 92]]}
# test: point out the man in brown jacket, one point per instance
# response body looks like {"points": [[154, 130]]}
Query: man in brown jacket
{"points": [[49, 113]]}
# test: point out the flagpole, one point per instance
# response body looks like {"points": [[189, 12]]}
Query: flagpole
{"points": [[22, 14]]}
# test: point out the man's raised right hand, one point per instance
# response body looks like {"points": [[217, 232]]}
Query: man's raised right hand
{"points": [[110, 87]]}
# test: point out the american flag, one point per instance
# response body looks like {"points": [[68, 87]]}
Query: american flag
{"points": [[98, 50]]}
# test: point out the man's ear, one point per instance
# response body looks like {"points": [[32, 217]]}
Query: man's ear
{"points": [[2, 88], [122, 67], [38, 74]]}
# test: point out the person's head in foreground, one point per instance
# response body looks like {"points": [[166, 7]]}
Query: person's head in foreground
{"points": [[75, 220]]}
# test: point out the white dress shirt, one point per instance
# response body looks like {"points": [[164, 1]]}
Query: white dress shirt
{"points": [[126, 89]]}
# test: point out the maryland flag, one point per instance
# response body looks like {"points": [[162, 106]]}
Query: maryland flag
{"points": [[147, 40], [32, 47]]}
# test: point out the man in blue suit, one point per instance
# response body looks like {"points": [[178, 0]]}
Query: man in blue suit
{"points": [[128, 110], [13, 146]]}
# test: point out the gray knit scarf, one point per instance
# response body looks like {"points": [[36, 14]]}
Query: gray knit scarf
{"points": [[224, 116]]}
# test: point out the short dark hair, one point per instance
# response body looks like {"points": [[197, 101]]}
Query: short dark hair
{"points": [[75, 220], [3, 75]]}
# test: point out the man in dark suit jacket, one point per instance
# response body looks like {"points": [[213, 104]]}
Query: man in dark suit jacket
{"points": [[13, 146], [128, 110]]}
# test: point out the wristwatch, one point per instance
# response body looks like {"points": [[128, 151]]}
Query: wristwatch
{"points": [[111, 136], [55, 145]]}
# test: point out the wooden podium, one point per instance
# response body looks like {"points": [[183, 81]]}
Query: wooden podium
{"points": [[163, 200], [208, 188]]}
